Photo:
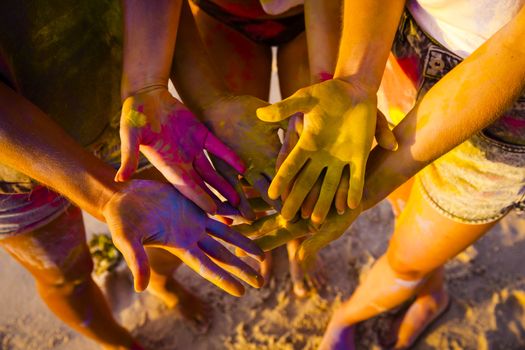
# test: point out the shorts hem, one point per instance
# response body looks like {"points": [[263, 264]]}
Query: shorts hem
{"points": [[452, 216]]}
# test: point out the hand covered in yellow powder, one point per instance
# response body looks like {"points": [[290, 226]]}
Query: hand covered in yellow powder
{"points": [[233, 119], [173, 140], [153, 214], [273, 231], [384, 137], [338, 130]]}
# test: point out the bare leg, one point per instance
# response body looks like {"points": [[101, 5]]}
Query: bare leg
{"points": [[164, 286], [422, 242], [294, 73], [58, 258], [431, 300], [162, 283]]}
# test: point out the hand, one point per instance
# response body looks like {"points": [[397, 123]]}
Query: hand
{"points": [[384, 137], [338, 129], [273, 231], [173, 140], [154, 214], [233, 120]]}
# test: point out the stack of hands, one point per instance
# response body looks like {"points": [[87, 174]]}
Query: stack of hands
{"points": [[317, 171]]}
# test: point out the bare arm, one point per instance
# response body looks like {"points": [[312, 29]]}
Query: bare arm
{"points": [[368, 31], [32, 143], [323, 20], [469, 98], [150, 31]]}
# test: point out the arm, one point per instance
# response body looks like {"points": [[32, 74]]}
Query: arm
{"points": [[139, 213], [368, 32], [150, 31], [232, 118], [33, 144], [323, 20], [339, 114], [152, 120], [469, 98]]}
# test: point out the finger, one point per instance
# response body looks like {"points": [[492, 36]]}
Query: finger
{"points": [[328, 190], [291, 137], [219, 149], [342, 191], [357, 179], [262, 185], [288, 170], [229, 262], [261, 226], [208, 174], [384, 136], [137, 261], [191, 186], [329, 231], [298, 102], [129, 153], [200, 263], [282, 235], [232, 177], [309, 203], [227, 234], [302, 186], [259, 205]]}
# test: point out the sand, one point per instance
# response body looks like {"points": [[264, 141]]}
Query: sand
{"points": [[486, 284]]}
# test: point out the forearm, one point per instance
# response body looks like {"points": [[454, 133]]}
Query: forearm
{"points": [[469, 98], [368, 32], [195, 78], [150, 31], [323, 33], [34, 145]]}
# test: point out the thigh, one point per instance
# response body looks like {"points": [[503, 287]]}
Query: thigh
{"points": [[55, 253], [424, 239], [243, 64], [292, 64]]}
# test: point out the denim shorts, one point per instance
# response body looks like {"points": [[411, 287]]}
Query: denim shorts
{"points": [[26, 205], [482, 179]]}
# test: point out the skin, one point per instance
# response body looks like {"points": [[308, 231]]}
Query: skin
{"points": [[228, 106], [154, 121], [353, 110], [53, 158], [415, 252]]}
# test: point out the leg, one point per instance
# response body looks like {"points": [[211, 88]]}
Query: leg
{"points": [[294, 73], [58, 258], [162, 283], [244, 65], [422, 242], [398, 199], [172, 293]]}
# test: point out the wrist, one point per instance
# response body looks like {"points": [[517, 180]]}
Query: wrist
{"points": [[130, 87]]}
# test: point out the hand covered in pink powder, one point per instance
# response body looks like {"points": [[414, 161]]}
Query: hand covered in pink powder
{"points": [[233, 119], [153, 214], [173, 140]]}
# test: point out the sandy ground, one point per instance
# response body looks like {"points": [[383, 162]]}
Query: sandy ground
{"points": [[486, 283]]}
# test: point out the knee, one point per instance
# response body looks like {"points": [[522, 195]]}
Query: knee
{"points": [[66, 276], [407, 266]]}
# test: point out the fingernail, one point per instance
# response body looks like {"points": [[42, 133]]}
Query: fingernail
{"points": [[340, 212], [395, 146]]}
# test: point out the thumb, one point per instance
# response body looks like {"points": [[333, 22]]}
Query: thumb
{"points": [[129, 149], [384, 136], [137, 261], [301, 101]]}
